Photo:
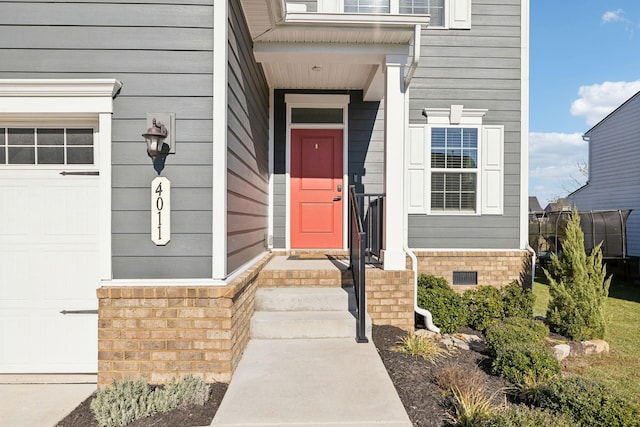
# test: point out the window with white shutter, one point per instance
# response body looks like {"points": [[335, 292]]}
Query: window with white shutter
{"points": [[455, 164]]}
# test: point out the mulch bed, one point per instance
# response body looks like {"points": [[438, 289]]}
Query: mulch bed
{"points": [[414, 378]]}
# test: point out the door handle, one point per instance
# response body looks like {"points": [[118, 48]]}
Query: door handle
{"points": [[337, 198], [339, 187]]}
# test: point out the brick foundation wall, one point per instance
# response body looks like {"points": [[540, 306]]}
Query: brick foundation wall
{"points": [[495, 268], [390, 298], [163, 332]]}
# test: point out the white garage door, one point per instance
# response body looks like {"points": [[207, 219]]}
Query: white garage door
{"points": [[48, 256]]}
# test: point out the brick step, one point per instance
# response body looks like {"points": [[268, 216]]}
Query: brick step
{"points": [[305, 278]]}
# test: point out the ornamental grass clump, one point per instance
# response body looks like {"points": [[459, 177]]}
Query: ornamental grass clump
{"points": [[578, 287], [420, 347]]}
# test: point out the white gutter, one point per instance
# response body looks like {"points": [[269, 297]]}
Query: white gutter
{"points": [[428, 318], [417, 31]]}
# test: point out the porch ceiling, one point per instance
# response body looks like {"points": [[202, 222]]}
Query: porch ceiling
{"points": [[326, 51]]}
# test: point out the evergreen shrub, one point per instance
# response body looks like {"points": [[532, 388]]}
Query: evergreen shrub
{"points": [[446, 306], [484, 306], [514, 331], [589, 403], [524, 416], [578, 287], [518, 301], [525, 361]]}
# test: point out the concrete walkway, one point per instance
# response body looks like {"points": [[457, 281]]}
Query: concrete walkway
{"points": [[322, 382], [41, 400]]}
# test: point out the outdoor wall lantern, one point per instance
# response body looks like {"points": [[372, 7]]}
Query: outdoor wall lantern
{"points": [[160, 139]]}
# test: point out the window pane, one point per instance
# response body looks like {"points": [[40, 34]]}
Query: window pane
{"points": [[79, 155], [366, 6], [316, 115], [468, 202], [79, 136], [437, 201], [438, 159], [452, 182], [1, 136], [21, 137], [50, 155], [50, 137], [22, 155], [454, 159]]}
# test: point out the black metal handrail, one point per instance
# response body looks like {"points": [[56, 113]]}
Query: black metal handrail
{"points": [[357, 255], [372, 204]]}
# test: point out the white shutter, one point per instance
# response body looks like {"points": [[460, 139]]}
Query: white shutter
{"points": [[460, 14], [492, 170], [415, 160]]}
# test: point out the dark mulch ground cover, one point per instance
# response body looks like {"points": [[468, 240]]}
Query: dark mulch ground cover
{"points": [[186, 417], [413, 377]]}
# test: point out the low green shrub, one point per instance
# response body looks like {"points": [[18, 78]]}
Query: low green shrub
{"points": [[446, 306], [512, 331], [126, 401], [484, 306], [516, 362], [589, 403], [518, 301], [524, 416]]}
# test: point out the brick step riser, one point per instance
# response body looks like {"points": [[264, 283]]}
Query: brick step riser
{"points": [[304, 278]]}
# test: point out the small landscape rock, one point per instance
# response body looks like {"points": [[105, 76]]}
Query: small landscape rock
{"points": [[595, 347], [425, 333], [461, 344], [561, 351], [446, 342]]}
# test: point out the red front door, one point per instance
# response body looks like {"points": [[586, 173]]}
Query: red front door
{"points": [[316, 188]]}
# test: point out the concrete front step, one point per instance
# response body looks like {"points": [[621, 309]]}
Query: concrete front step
{"points": [[304, 324], [304, 299], [297, 313]]}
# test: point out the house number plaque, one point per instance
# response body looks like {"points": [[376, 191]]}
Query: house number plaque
{"points": [[160, 211]]}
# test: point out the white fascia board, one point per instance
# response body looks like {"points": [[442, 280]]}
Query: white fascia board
{"points": [[368, 20], [59, 87], [329, 53]]}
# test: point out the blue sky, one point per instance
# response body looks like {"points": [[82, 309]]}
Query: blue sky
{"points": [[584, 63]]}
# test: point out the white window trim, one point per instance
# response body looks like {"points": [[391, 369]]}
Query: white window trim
{"points": [[490, 161], [71, 99], [430, 170], [300, 100]]}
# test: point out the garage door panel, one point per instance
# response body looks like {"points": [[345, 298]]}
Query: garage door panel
{"points": [[70, 211], [48, 263], [19, 280], [13, 208], [75, 269]]}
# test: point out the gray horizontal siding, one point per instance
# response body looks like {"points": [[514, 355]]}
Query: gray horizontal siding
{"points": [[162, 53], [478, 68], [613, 169], [247, 147]]}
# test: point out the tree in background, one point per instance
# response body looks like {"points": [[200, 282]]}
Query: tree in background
{"points": [[578, 287]]}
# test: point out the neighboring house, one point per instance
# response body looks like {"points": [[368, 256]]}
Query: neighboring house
{"points": [[266, 105], [613, 172], [559, 205]]}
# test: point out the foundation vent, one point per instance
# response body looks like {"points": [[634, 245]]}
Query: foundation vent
{"points": [[465, 277]]}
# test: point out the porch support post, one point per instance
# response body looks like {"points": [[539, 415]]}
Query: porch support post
{"points": [[394, 257]]}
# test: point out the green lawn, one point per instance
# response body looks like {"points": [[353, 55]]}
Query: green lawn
{"points": [[620, 368]]}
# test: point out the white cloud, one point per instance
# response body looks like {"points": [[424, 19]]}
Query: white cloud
{"points": [[596, 101], [612, 16], [553, 164]]}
